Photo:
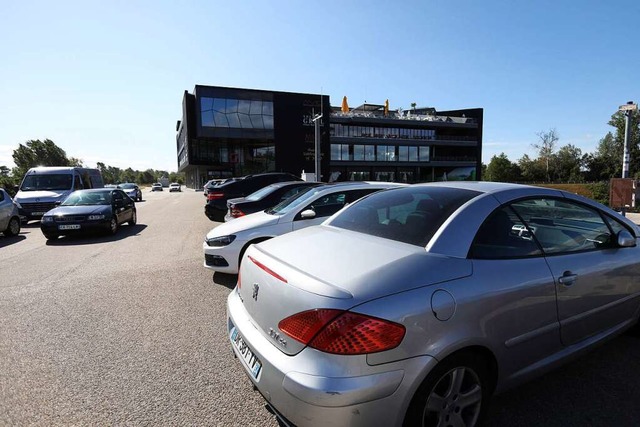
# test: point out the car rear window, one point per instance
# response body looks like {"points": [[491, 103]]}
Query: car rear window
{"points": [[410, 215]]}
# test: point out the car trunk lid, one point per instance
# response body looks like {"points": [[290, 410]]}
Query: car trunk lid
{"points": [[323, 267]]}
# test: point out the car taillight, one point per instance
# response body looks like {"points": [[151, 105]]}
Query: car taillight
{"points": [[215, 195], [236, 213], [342, 332]]}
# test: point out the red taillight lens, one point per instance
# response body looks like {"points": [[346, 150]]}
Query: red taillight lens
{"points": [[213, 196], [236, 213], [342, 332]]}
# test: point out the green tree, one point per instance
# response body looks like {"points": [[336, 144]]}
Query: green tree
{"points": [[568, 164], [606, 162], [501, 169], [7, 180], [533, 170], [38, 153], [546, 148]]}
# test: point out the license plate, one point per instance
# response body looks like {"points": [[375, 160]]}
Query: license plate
{"points": [[250, 360], [69, 227], [37, 213]]}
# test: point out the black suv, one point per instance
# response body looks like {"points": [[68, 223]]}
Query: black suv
{"points": [[217, 195]]}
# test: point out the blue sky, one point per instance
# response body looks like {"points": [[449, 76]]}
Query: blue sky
{"points": [[105, 80]]}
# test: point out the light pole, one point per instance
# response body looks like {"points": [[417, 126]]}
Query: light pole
{"points": [[316, 121], [628, 109]]}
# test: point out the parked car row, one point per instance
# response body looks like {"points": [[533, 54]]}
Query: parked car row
{"points": [[413, 304], [220, 193], [225, 244]]}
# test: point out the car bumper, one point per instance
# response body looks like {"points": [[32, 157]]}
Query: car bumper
{"points": [[215, 213], [223, 259], [313, 388], [84, 227]]}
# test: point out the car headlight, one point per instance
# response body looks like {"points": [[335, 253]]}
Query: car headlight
{"points": [[95, 217], [220, 241], [47, 219]]}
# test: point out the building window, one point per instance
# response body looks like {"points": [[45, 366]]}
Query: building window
{"points": [[403, 153], [236, 113], [340, 152], [424, 154], [370, 153], [386, 153], [413, 154], [358, 153]]}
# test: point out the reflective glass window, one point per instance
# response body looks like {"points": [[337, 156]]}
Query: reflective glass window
{"points": [[561, 226], [234, 120], [232, 106], [244, 106], [358, 152], [268, 122], [403, 153], [245, 121], [370, 153], [220, 120], [256, 107], [256, 121], [207, 118], [267, 108], [413, 154], [424, 154]]}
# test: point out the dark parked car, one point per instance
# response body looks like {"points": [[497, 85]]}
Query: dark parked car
{"points": [[100, 209], [264, 198], [132, 190], [217, 196]]}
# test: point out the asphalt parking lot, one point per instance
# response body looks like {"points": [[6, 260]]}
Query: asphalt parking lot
{"points": [[131, 330]]}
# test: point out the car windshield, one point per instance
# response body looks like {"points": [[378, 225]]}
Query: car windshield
{"points": [[127, 186], [410, 215], [49, 182], [261, 193], [87, 198], [293, 202]]}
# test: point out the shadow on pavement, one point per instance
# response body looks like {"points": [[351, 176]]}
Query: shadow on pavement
{"points": [[6, 241], [226, 280], [97, 238]]}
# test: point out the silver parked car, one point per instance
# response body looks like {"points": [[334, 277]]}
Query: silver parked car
{"points": [[9, 216], [414, 305]]}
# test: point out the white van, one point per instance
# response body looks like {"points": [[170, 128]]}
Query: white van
{"points": [[43, 187]]}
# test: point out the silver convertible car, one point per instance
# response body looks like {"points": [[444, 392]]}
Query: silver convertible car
{"points": [[412, 306]]}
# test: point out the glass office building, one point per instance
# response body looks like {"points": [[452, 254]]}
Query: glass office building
{"points": [[227, 132]]}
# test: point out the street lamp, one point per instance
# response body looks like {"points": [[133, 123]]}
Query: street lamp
{"points": [[316, 122], [628, 109]]}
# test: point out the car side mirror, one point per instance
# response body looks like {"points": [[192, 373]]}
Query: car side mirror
{"points": [[308, 214], [626, 240]]}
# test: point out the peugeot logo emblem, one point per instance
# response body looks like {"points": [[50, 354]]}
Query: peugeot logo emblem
{"points": [[256, 289]]}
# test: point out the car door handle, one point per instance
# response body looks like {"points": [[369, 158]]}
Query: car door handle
{"points": [[568, 278]]}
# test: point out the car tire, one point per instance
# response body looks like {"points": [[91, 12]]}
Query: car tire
{"points": [[49, 236], [134, 218], [456, 392], [113, 226], [13, 228]]}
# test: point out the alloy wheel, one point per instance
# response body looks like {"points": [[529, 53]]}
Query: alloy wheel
{"points": [[456, 399]]}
